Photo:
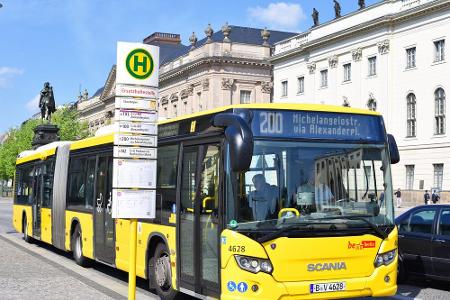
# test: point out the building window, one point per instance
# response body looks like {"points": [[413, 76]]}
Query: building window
{"points": [[284, 88], [439, 108], [175, 112], [347, 72], [411, 115], [409, 177], [199, 101], [438, 175], [411, 57], [245, 97], [323, 78], [439, 50], [372, 66], [301, 85]]}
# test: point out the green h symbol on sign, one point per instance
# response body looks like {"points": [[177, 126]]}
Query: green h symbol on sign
{"points": [[138, 63]]}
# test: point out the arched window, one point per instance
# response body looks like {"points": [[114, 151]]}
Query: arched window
{"points": [[439, 111], [411, 115]]}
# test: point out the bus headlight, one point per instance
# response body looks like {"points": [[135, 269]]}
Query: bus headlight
{"points": [[385, 258], [253, 264]]}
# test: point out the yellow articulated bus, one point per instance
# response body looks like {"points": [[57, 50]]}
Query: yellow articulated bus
{"points": [[257, 201]]}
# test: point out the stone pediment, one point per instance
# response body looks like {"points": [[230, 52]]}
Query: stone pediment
{"points": [[110, 85]]}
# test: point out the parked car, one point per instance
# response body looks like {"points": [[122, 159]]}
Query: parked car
{"points": [[424, 242]]}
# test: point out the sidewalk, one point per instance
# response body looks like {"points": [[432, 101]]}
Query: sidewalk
{"points": [[24, 275], [29, 271]]}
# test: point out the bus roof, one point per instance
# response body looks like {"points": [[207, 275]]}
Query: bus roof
{"points": [[47, 150], [278, 106]]}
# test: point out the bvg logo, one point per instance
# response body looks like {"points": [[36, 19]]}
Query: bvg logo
{"points": [[140, 63]]}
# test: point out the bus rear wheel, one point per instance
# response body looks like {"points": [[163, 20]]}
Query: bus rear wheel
{"points": [[77, 248], [161, 275], [26, 237]]}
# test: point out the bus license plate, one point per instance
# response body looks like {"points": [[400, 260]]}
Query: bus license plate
{"points": [[327, 287]]}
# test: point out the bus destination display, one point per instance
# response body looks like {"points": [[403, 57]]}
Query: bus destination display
{"points": [[318, 125]]}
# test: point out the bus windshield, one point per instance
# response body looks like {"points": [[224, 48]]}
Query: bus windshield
{"points": [[308, 183]]}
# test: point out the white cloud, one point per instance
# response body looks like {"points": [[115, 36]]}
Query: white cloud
{"points": [[6, 73], [279, 15], [33, 104]]}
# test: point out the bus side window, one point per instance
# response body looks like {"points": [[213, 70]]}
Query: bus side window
{"points": [[47, 173], [23, 185], [80, 184], [166, 182]]}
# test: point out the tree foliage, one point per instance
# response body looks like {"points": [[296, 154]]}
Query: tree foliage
{"points": [[19, 139]]}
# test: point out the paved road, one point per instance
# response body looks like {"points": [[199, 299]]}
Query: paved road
{"points": [[39, 271]]}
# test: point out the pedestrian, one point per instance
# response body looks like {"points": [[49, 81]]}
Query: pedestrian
{"points": [[435, 197], [426, 197], [398, 197]]}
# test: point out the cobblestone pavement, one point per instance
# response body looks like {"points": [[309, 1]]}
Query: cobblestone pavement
{"points": [[25, 275]]}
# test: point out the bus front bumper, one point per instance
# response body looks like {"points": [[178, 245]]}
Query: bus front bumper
{"points": [[263, 286]]}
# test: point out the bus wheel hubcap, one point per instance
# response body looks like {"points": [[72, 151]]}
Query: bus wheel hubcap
{"points": [[162, 271]]}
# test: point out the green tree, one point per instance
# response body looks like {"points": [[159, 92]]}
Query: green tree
{"points": [[19, 139], [70, 128]]}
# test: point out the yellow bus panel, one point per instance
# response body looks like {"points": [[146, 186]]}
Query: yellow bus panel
{"points": [[169, 234], [86, 222], [18, 211], [46, 225], [290, 278], [145, 230], [122, 241]]}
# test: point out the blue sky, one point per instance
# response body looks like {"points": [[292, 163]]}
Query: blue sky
{"points": [[73, 43]]}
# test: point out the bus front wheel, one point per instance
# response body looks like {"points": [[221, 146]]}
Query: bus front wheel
{"points": [[161, 276], [77, 248], [26, 237]]}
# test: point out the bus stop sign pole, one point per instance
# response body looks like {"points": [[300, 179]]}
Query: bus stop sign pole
{"points": [[132, 259]]}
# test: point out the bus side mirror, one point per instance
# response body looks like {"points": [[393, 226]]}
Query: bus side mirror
{"points": [[239, 137], [393, 149]]}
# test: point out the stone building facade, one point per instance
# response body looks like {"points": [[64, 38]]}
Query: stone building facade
{"points": [[226, 67], [98, 110], [390, 57]]}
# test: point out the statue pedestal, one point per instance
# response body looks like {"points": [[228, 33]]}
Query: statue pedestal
{"points": [[45, 134]]}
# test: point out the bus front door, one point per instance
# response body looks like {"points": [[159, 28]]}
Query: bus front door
{"points": [[104, 224], [198, 229]]}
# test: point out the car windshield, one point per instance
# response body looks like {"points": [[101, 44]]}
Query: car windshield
{"points": [[294, 183]]}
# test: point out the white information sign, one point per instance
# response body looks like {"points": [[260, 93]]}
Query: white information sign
{"points": [[134, 173], [136, 91], [135, 131], [136, 127], [135, 140], [136, 115], [137, 64], [136, 103], [134, 152], [134, 203]]}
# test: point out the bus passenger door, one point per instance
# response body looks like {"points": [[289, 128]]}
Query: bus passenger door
{"points": [[37, 201], [198, 229], [104, 224]]}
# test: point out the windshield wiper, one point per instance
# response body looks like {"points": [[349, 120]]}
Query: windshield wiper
{"points": [[375, 228]]}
